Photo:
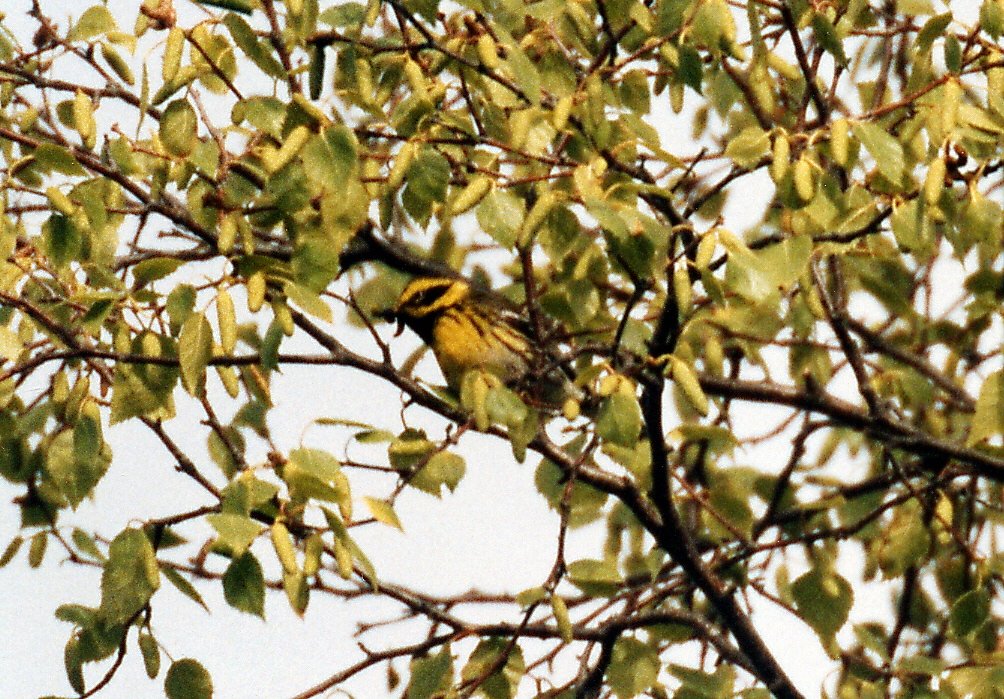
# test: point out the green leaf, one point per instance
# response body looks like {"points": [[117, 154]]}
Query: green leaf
{"points": [[500, 214], [988, 420], [691, 68], [427, 180], [953, 54], [784, 263], [595, 578], [10, 344], [748, 147], [74, 472], [151, 654], [180, 304], [969, 612], [383, 512], [74, 664], [244, 585], [135, 393], [236, 532], [828, 38], [153, 269], [912, 228], [184, 587], [746, 276], [349, 14], [992, 17], [634, 667], [442, 469], [501, 684], [932, 29], [430, 674], [823, 599], [195, 349], [331, 158], [187, 679], [905, 542], [884, 149], [95, 20], [619, 419], [51, 157], [521, 67], [259, 51], [130, 576], [308, 300], [697, 683], [313, 473], [584, 506], [179, 128]]}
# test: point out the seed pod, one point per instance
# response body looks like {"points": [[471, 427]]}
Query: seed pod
{"points": [[471, 195], [684, 377], [413, 72], [780, 157], [284, 317], [488, 52], [117, 63], [541, 208], [364, 81], [571, 408], [343, 558], [228, 377], [519, 126], [150, 345], [60, 389], [561, 619], [840, 141], [479, 400], [951, 96], [227, 318], [83, 119], [247, 235], [676, 97], [60, 202], [934, 183], [296, 140], [714, 355], [562, 110], [172, 54], [283, 546], [313, 548], [256, 291], [315, 78], [227, 235], [682, 289], [705, 250], [804, 185], [402, 162]]}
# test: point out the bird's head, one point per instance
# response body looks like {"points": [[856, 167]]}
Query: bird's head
{"points": [[425, 298]]}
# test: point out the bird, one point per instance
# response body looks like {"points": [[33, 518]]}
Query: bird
{"points": [[468, 328]]}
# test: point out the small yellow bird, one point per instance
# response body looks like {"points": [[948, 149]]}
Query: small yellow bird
{"points": [[469, 329]]}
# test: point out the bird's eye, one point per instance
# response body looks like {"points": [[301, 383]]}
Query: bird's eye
{"points": [[427, 297]]}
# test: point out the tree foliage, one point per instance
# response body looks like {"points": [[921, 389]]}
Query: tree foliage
{"points": [[768, 235]]}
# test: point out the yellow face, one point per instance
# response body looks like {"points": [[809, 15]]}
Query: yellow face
{"points": [[426, 297], [463, 334]]}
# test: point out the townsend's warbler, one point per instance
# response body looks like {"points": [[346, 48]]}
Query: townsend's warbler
{"points": [[468, 329]]}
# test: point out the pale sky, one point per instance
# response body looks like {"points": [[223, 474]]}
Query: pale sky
{"points": [[495, 533]]}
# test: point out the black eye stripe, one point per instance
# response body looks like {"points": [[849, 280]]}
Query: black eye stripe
{"points": [[426, 297]]}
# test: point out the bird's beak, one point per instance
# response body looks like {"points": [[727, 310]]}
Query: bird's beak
{"points": [[391, 315]]}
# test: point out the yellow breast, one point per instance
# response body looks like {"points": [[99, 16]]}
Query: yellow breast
{"points": [[466, 341]]}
